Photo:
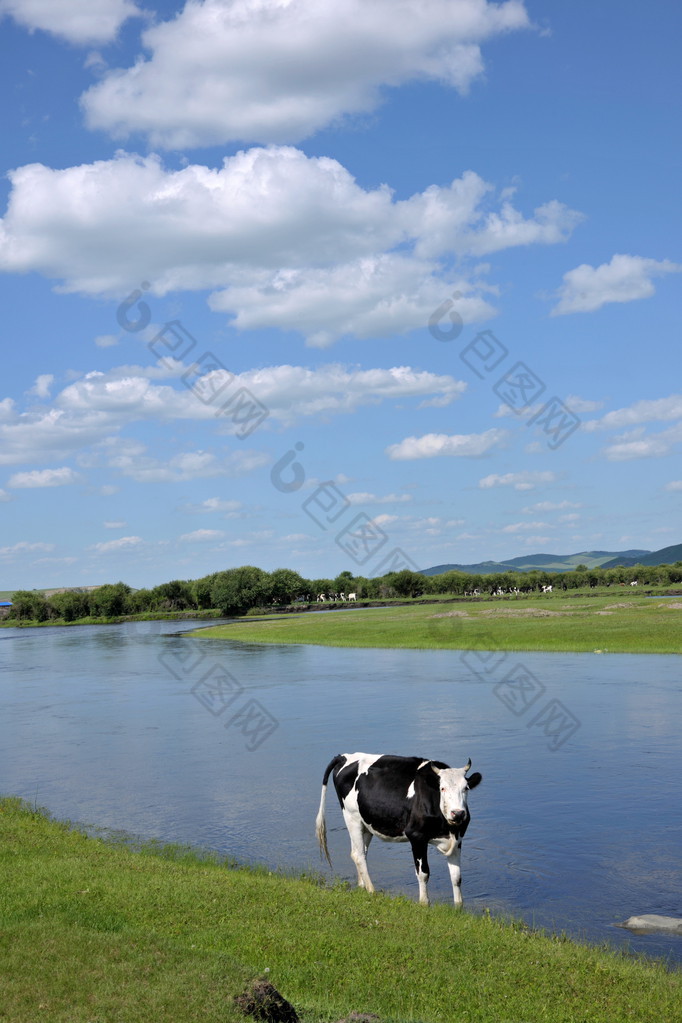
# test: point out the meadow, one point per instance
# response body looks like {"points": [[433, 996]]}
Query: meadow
{"points": [[94, 932], [608, 623]]}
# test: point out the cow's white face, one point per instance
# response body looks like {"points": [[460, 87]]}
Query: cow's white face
{"points": [[454, 786]]}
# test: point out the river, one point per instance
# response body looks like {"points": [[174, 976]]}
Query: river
{"points": [[576, 824]]}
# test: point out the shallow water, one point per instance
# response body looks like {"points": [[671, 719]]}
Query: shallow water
{"points": [[576, 825]]}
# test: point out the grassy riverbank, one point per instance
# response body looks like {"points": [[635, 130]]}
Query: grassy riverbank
{"points": [[615, 624], [95, 933]]}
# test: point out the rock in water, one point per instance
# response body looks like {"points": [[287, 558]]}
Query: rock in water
{"points": [[264, 1002], [652, 922]]}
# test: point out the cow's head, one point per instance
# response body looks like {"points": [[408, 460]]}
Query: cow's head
{"points": [[454, 786]]}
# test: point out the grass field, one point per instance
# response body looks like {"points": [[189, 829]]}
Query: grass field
{"points": [[95, 933], [617, 623]]}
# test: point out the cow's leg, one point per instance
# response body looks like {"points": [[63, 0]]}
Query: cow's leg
{"points": [[456, 874], [421, 867], [359, 844]]}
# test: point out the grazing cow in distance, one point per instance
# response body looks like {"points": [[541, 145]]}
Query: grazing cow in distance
{"points": [[400, 799], [321, 598], [633, 583], [352, 596]]}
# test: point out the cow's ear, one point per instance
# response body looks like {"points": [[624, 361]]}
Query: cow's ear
{"points": [[474, 779]]}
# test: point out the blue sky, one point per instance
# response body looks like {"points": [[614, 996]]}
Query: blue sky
{"points": [[409, 276]]}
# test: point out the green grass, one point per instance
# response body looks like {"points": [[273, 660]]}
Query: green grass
{"points": [[556, 622], [96, 933]]}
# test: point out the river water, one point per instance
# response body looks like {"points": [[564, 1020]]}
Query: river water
{"points": [[576, 824]]}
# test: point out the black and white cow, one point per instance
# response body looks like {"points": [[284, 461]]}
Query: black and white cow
{"points": [[401, 799]]}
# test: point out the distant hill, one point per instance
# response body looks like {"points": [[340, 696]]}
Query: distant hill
{"points": [[562, 562], [666, 556]]}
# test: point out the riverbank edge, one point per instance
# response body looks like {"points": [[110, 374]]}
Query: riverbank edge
{"points": [[104, 910]]}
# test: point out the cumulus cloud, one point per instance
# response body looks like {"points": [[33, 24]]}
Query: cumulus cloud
{"points": [[106, 340], [41, 387], [4, 496], [624, 279], [545, 506], [91, 409], [114, 525], [432, 445], [521, 527], [216, 504], [202, 536], [367, 498], [279, 238], [123, 544], [131, 459], [25, 547], [644, 411], [638, 444], [266, 71], [526, 480], [674, 485], [82, 22], [44, 478]]}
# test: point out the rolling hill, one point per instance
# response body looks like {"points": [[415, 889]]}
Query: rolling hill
{"points": [[566, 562]]}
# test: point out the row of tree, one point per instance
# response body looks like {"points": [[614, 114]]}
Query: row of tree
{"points": [[236, 590]]}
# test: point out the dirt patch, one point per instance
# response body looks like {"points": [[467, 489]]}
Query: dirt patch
{"points": [[676, 606], [605, 612], [609, 606], [526, 612], [451, 614]]}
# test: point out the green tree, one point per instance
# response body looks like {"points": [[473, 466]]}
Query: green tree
{"points": [[175, 595], [237, 589], [405, 583], [110, 600], [70, 605], [29, 605], [285, 585]]}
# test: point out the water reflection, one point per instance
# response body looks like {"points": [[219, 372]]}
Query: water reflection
{"points": [[96, 727]]}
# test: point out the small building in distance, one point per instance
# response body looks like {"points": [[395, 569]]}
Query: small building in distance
{"points": [[5, 605]]}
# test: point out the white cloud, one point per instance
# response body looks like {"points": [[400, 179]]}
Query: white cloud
{"points": [[131, 459], [526, 480], [521, 527], [673, 485], [366, 498], [216, 504], [202, 536], [4, 496], [432, 445], [114, 525], [25, 547], [267, 71], [41, 387], [577, 404], [624, 279], [545, 506], [637, 444], [91, 409], [106, 340], [44, 478], [644, 411], [384, 520], [281, 239], [78, 21], [123, 544]]}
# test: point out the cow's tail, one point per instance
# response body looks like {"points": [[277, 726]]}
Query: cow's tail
{"points": [[320, 826]]}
